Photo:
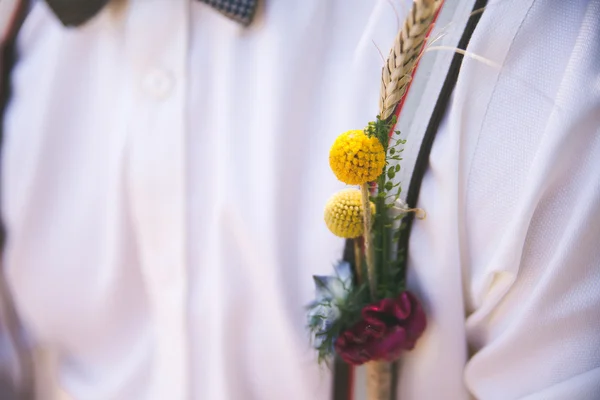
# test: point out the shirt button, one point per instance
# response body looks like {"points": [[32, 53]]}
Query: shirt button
{"points": [[158, 83]]}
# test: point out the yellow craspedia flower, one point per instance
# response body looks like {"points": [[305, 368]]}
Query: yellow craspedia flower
{"points": [[356, 158], [344, 214]]}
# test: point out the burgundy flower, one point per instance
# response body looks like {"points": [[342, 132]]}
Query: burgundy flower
{"points": [[386, 329]]}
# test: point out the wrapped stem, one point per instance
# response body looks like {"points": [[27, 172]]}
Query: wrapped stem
{"points": [[379, 380]]}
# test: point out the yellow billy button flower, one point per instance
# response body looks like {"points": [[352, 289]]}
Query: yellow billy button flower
{"points": [[344, 213], [356, 158]]}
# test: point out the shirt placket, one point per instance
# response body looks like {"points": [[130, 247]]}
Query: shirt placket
{"points": [[157, 47]]}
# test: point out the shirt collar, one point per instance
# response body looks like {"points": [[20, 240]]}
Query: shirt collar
{"points": [[78, 12]]}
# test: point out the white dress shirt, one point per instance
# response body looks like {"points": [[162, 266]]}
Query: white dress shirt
{"points": [[165, 173]]}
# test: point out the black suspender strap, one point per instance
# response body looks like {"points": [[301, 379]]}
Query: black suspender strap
{"points": [[422, 161]]}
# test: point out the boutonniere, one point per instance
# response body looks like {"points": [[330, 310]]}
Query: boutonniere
{"points": [[364, 313]]}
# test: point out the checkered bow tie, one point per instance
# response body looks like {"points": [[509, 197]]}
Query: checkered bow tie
{"points": [[77, 12]]}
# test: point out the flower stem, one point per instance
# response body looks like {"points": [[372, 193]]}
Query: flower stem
{"points": [[358, 261], [383, 231], [366, 203]]}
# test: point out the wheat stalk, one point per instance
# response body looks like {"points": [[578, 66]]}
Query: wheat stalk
{"points": [[395, 76], [404, 54]]}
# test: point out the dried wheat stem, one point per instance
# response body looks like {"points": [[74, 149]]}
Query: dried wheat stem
{"points": [[369, 254], [358, 260], [404, 55], [465, 53]]}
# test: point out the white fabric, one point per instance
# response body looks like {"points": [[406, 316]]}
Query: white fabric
{"points": [[166, 170]]}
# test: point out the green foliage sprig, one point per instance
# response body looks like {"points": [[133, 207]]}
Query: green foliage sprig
{"points": [[387, 218]]}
